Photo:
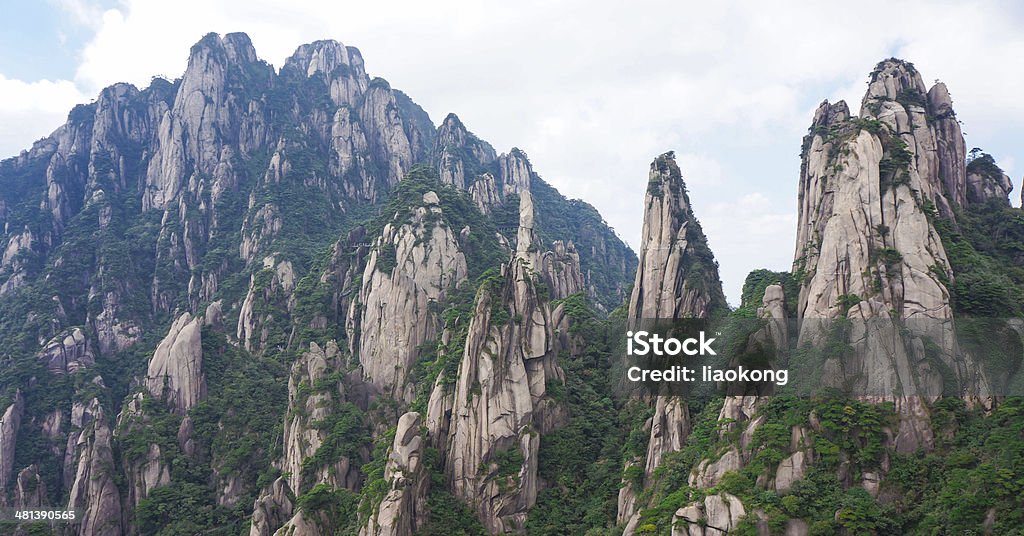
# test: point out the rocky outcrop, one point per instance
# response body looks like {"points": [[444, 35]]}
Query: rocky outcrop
{"points": [[175, 372], [89, 467], [9, 426], [677, 278], [67, 353], [866, 249], [144, 471], [402, 510], [12, 263], [206, 116], [30, 489], [510, 174], [273, 509], [670, 427], [313, 399], [341, 67], [709, 473], [415, 263], [716, 515], [924, 120], [460, 157], [560, 266], [267, 305], [501, 408], [985, 180]]}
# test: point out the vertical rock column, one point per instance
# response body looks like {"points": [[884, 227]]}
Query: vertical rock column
{"points": [[677, 278]]}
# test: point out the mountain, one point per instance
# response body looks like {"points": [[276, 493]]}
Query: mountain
{"points": [[281, 301], [904, 319], [219, 293]]}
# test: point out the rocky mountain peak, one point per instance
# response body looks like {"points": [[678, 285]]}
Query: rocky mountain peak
{"points": [[678, 275], [893, 79], [233, 48], [460, 156], [829, 114], [325, 57]]}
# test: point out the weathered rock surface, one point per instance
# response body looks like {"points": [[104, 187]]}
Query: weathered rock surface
{"points": [[67, 353], [500, 405], [143, 471], [403, 509], [461, 157], [709, 473], [677, 278], [175, 372], [267, 303], [30, 489], [273, 509], [89, 462], [415, 262], [9, 426], [717, 515], [312, 399], [867, 249]]}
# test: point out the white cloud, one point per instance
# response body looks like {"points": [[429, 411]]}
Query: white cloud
{"points": [[31, 110], [747, 233], [593, 91]]}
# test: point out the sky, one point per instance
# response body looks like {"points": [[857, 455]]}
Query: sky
{"points": [[592, 90]]}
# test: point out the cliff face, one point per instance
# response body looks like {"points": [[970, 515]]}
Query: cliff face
{"points": [[677, 278], [868, 248], [415, 262], [500, 409], [207, 241]]}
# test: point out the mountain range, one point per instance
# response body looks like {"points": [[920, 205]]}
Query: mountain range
{"points": [[282, 301]]}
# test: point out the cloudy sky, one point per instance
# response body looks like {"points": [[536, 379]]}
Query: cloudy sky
{"points": [[591, 90]]}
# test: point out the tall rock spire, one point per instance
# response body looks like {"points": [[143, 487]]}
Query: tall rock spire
{"points": [[867, 248], [677, 278], [678, 275]]}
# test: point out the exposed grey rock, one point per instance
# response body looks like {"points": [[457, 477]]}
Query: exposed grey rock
{"points": [[414, 263], [9, 426], [500, 401], [340, 66], [270, 295], [311, 399], [301, 437], [93, 490], [402, 511], [670, 426], [30, 489], [709, 473], [673, 254], [560, 266], [717, 515], [214, 316], [671, 248], [67, 353], [792, 469], [175, 372], [259, 230], [203, 118], [510, 174], [149, 470], [272, 509], [459, 155], [12, 260]]}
